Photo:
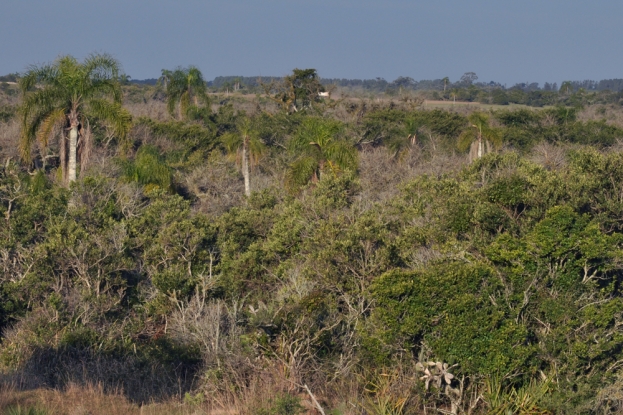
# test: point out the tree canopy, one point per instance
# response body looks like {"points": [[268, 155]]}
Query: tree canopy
{"points": [[61, 100]]}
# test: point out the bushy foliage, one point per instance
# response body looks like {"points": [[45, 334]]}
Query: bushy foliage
{"points": [[504, 274]]}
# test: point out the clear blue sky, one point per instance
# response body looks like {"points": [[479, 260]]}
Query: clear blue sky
{"points": [[507, 41]]}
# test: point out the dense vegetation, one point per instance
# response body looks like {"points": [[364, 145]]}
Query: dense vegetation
{"points": [[390, 258]]}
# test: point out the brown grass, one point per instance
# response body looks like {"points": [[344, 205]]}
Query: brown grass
{"points": [[9, 137], [83, 400]]}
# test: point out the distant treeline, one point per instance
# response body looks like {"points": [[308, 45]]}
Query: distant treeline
{"points": [[402, 82], [247, 81], [148, 81], [407, 83], [12, 77]]}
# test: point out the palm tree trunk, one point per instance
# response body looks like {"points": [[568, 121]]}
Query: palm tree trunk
{"points": [[321, 164], [479, 147], [480, 144], [245, 167], [73, 148]]}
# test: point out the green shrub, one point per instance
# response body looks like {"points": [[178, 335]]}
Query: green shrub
{"points": [[284, 404], [19, 410]]}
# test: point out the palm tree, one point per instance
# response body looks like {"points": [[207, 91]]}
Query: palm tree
{"points": [[445, 80], [61, 99], [453, 94], [479, 136], [566, 88], [406, 137], [245, 147], [164, 78], [319, 150], [183, 86]]}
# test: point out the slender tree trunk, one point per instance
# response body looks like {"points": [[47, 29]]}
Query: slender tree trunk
{"points": [[479, 146], [72, 166], [73, 159], [321, 164], [245, 167]]}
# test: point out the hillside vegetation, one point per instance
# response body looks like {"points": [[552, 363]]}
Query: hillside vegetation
{"points": [[390, 259]]}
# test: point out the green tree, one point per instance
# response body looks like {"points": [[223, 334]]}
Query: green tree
{"points": [[319, 149], [445, 81], [185, 88], [149, 168], [60, 101], [566, 88], [479, 136], [468, 78], [246, 147], [297, 91]]}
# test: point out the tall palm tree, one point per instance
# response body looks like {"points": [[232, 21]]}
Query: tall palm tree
{"points": [[479, 137], [319, 150], [184, 86], [61, 99], [245, 147]]}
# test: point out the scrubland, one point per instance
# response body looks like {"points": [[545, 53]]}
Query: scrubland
{"points": [[401, 274]]}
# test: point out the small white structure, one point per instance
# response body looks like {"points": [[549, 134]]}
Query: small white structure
{"points": [[324, 94]]}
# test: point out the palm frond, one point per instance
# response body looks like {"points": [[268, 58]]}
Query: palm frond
{"points": [[46, 99], [104, 87], [245, 127], [343, 154], [480, 122], [397, 144], [467, 137], [171, 102], [257, 149], [197, 84], [149, 168], [37, 75], [101, 67], [184, 85], [232, 143], [301, 172], [185, 103], [492, 135], [25, 145], [31, 120], [51, 124], [314, 130], [117, 117], [411, 126]]}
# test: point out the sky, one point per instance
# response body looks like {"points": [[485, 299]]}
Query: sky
{"points": [[506, 41]]}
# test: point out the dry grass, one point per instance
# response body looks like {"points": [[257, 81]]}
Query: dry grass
{"points": [[9, 136], [83, 400], [613, 114], [381, 174], [451, 105], [156, 110]]}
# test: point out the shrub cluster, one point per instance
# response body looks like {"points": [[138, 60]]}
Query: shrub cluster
{"points": [[391, 275]]}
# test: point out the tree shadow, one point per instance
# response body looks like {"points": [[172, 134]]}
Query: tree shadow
{"points": [[141, 380]]}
